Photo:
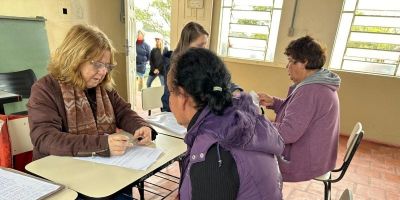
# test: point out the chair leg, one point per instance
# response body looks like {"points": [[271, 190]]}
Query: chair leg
{"points": [[180, 164], [327, 191], [141, 189]]}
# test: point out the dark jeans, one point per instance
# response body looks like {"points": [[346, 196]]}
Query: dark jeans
{"points": [[151, 78]]}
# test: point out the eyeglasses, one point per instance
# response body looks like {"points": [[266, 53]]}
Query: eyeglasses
{"points": [[99, 65]]}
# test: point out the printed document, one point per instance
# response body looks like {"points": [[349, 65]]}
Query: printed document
{"points": [[14, 185], [138, 158]]}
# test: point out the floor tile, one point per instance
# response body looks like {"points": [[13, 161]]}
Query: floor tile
{"points": [[373, 174]]}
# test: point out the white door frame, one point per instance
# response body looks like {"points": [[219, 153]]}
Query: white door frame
{"points": [[130, 50]]}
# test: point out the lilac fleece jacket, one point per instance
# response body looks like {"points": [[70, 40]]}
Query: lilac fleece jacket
{"points": [[308, 121], [251, 139]]}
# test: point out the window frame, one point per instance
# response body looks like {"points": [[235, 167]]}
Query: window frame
{"points": [[268, 51], [345, 52]]}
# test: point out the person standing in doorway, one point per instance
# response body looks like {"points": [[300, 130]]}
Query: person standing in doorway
{"points": [[157, 61], [193, 35], [142, 57]]}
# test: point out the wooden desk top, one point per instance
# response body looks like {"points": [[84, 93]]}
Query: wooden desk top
{"points": [[99, 180], [6, 97]]}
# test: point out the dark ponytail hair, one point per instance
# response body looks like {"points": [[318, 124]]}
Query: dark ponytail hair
{"points": [[204, 76]]}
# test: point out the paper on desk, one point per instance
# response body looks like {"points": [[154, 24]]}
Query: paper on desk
{"points": [[18, 186], [138, 157], [255, 98], [166, 120]]}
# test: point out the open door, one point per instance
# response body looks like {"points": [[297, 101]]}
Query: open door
{"points": [[130, 45]]}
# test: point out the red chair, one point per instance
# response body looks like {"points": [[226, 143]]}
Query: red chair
{"points": [[16, 146]]}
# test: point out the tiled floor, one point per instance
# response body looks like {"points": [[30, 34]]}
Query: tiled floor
{"points": [[374, 174]]}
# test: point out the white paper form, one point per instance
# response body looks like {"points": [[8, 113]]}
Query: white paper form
{"points": [[166, 120], [18, 186], [138, 157]]}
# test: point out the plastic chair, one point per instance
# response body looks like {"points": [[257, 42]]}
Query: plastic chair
{"points": [[151, 98], [19, 82], [346, 195], [20, 135], [352, 145]]}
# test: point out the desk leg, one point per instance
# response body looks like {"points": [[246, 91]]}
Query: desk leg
{"points": [[180, 163], [2, 109], [141, 189]]}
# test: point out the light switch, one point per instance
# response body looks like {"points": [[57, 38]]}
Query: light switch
{"points": [[196, 4]]}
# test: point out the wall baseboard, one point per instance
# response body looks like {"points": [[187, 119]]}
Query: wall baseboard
{"points": [[372, 141]]}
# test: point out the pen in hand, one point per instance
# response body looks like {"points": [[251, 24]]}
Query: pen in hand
{"points": [[137, 140], [143, 135], [118, 143]]}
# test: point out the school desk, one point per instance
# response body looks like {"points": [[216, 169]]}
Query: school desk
{"points": [[99, 180]]}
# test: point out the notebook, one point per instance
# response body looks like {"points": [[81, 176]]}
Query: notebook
{"points": [[18, 185]]}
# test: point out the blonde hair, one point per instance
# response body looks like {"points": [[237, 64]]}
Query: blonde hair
{"points": [[83, 43], [160, 45]]}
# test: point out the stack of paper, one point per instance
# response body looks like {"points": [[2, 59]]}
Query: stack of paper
{"points": [[15, 185], [166, 120], [138, 157]]}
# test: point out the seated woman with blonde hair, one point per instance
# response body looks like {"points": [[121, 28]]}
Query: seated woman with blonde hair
{"points": [[74, 110]]}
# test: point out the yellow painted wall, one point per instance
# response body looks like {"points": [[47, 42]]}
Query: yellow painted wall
{"points": [[102, 13], [372, 100], [182, 13], [106, 15]]}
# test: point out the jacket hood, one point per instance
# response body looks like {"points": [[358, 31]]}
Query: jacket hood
{"points": [[241, 126], [324, 77]]}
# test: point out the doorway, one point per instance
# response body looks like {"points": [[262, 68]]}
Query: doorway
{"points": [[151, 17]]}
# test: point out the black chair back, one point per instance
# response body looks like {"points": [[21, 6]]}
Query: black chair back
{"points": [[352, 145], [355, 142], [19, 82]]}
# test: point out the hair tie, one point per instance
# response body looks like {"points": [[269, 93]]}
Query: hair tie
{"points": [[217, 88]]}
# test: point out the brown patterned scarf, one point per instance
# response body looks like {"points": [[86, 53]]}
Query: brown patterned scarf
{"points": [[80, 115]]}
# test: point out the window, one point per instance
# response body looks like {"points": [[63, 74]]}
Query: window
{"points": [[249, 29], [368, 37]]}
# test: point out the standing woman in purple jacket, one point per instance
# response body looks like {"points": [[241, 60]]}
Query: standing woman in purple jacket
{"points": [[231, 148], [308, 119]]}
